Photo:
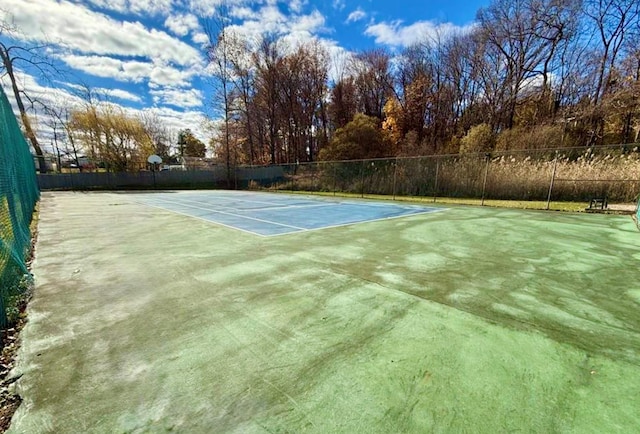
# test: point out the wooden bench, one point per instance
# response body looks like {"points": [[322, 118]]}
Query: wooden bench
{"points": [[598, 203]]}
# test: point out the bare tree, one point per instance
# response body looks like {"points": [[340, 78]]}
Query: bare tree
{"points": [[303, 76], [158, 133], [613, 20], [268, 61], [12, 55], [243, 74], [525, 34], [344, 104], [63, 134], [461, 58], [219, 54], [373, 80]]}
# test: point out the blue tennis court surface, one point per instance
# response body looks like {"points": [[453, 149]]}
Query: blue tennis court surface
{"points": [[268, 214]]}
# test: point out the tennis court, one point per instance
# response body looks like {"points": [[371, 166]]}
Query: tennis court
{"points": [[153, 314], [268, 214]]}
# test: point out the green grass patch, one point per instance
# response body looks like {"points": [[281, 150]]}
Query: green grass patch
{"points": [[515, 204]]}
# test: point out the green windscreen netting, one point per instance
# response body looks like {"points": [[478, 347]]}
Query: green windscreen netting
{"points": [[638, 213], [18, 196]]}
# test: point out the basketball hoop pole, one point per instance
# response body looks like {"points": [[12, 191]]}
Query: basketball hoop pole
{"points": [[154, 160]]}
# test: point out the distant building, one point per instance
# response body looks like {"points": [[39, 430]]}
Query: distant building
{"points": [[197, 163], [50, 160]]}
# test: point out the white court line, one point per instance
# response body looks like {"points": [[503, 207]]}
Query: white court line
{"points": [[238, 215], [431, 211], [213, 222], [266, 208], [292, 206], [251, 201], [276, 207], [186, 201], [298, 229], [312, 198]]}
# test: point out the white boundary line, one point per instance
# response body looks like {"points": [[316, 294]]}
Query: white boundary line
{"points": [[212, 222], [256, 209], [277, 208], [430, 210], [238, 215], [186, 201], [326, 201], [251, 201]]}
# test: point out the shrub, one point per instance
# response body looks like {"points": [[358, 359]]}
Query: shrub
{"points": [[540, 137], [480, 138], [360, 138]]}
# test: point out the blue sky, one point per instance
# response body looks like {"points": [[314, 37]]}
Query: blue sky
{"points": [[147, 54]]}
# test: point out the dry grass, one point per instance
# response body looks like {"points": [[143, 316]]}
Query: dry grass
{"points": [[579, 176], [576, 179]]}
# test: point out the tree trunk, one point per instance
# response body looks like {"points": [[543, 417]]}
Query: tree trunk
{"points": [[6, 60]]}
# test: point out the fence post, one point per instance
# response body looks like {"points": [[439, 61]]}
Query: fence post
{"points": [[334, 176], [315, 178], [395, 171], [435, 186], [292, 172], [235, 176], [362, 180], [484, 182], [553, 178]]}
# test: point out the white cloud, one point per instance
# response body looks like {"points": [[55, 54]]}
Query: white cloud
{"points": [[311, 23], [118, 93], [339, 4], [200, 38], [157, 73], [137, 7], [396, 35], [102, 66], [356, 15], [182, 24], [91, 32], [176, 120], [207, 8], [270, 20], [296, 6], [243, 13], [38, 92], [104, 93], [183, 98], [44, 95]]}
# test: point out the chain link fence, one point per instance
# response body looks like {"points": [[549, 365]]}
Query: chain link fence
{"points": [[549, 176], [18, 196]]}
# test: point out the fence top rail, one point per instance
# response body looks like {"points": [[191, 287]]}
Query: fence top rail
{"points": [[595, 180], [628, 147], [492, 154]]}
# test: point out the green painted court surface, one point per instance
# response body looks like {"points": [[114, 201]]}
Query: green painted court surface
{"points": [[469, 320]]}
